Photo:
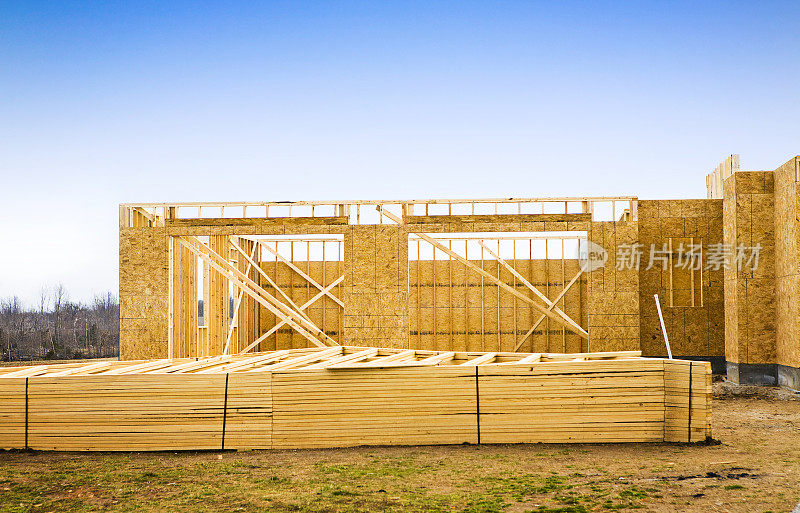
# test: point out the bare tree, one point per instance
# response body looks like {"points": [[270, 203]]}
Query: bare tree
{"points": [[59, 298], [41, 323], [44, 298]]}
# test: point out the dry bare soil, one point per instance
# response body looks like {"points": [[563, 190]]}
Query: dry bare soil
{"points": [[755, 468]]}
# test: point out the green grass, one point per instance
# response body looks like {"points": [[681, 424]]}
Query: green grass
{"points": [[734, 487], [469, 479], [243, 482]]}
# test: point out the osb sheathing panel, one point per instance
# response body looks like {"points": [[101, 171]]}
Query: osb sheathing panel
{"points": [[692, 331], [760, 321], [787, 256], [613, 300], [376, 286], [750, 302], [143, 291], [731, 292]]}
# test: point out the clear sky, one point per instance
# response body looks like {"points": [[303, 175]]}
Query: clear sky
{"points": [[191, 101]]}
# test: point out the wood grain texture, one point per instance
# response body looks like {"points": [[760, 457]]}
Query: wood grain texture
{"points": [[348, 396]]}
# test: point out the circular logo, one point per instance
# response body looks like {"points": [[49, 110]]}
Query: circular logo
{"points": [[591, 256]]}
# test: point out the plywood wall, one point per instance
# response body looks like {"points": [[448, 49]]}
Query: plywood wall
{"points": [[787, 258], [613, 294], [143, 292], [697, 330], [376, 286], [375, 289], [748, 216]]}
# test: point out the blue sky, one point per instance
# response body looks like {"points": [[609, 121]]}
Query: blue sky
{"points": [[191, 101]]}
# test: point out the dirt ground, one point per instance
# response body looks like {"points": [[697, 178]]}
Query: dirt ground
{"points": [[754, 468]]}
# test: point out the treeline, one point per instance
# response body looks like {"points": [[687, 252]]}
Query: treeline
{"points": [[57, 328]]}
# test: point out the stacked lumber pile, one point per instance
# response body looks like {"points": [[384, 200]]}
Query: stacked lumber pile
{"points": [[348, 396]]}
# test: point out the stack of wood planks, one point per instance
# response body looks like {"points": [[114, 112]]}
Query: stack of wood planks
{"points": [[348, 396]]}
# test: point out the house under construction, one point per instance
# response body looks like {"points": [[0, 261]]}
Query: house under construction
{"points": [[487, 275], [328, 324]]}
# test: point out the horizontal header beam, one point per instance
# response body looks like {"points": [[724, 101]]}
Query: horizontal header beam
{"points": [[217, 204]]}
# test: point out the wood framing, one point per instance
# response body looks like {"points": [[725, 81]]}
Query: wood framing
{"points": [[723, 171], [551, 305], [286, 313], [360, 296], [441, 247], [189, 214], [554, 302]]}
